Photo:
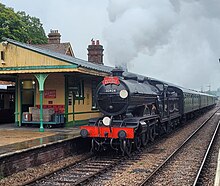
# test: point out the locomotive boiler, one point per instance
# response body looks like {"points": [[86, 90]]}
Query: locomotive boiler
{"points": [[137, 109], [117, 95]]}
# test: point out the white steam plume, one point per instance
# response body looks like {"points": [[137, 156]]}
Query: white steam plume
{"points": [[173, 40]]}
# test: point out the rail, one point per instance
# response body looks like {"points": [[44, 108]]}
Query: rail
{"points": [[206, 155], [176, 151], [93, 167]]}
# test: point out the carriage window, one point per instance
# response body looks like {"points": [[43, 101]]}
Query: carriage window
{"points": [[160, 86]]}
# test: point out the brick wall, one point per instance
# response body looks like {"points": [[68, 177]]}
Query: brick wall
{"points": [[23, 160]]}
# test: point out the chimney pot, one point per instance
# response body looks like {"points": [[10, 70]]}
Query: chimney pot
{"points": [[54, 37], [95, 52]]}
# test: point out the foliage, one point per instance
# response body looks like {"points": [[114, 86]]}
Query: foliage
{"points": [[20, 27], [34, 28]]}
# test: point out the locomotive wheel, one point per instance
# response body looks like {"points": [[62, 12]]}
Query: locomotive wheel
{"points": [[152, 133], [126, 147], [164, 128], [95, 146], [173, 125], [167, 128], [137, 142], [145, 138]]}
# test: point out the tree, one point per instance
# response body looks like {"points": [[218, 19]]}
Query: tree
{"points": [[20, 27], [34, 29]]}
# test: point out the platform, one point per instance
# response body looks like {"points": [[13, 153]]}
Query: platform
{"points": [[14, 139]]}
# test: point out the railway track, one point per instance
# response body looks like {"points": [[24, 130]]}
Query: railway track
{"points": [[200, 175], [133, 170], [185, 164], [79, 173], [95, 168], [207, 172]]}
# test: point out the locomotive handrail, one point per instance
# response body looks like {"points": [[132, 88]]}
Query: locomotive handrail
{"points": [[108, 93]]}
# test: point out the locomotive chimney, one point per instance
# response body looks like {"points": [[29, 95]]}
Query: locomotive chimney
{"points": [[95, 52], [54, 37], [117, 72]]}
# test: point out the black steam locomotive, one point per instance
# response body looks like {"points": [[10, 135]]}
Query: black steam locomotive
{"points": [[136, 109]]}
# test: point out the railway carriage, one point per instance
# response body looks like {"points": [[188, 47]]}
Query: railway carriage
{"points": [[136, 109]]}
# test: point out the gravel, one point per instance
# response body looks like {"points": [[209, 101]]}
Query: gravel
{"points": [[29, 174], [135, 172], [182, 168], [130, 172]]}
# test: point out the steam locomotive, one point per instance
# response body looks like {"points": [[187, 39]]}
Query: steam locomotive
{"points": [[136, 109]]}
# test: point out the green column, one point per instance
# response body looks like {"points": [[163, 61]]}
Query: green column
{"points": [[41, 111], [41, 79], [66, 97], [16, 102]]}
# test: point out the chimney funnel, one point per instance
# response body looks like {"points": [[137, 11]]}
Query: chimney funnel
{"points": [[117, 71]]}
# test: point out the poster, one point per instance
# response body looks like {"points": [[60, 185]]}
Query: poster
{"points": [[50, 94]]}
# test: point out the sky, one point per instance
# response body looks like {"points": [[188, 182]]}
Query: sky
{"points": [[172, 40]]}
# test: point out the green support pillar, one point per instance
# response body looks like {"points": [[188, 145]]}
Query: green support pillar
{"points": [[41, 79], [41, 112], [66, 97], [16, 103]]}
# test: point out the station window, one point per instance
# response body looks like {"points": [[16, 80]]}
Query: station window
{"points": [[2, 55], [28, 84], [1, 101], [76, 86]]}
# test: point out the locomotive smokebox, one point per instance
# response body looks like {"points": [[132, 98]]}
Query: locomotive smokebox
{"points": [[117, 71]]}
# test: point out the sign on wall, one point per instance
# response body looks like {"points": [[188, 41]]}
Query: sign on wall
{"points": [[50, 94]]}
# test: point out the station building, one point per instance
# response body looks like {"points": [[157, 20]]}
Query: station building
{"points": [[52, 86]]}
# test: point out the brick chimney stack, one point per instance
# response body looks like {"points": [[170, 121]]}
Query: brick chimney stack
{"points": [[95, 52], [54, 37]]}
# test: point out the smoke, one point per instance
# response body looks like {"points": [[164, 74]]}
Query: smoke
{"points": [[172, 40], [137, 26]]}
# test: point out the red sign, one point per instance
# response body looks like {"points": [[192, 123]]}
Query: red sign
{"points": [[110, 80], [50, 94], [57, 108]]}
